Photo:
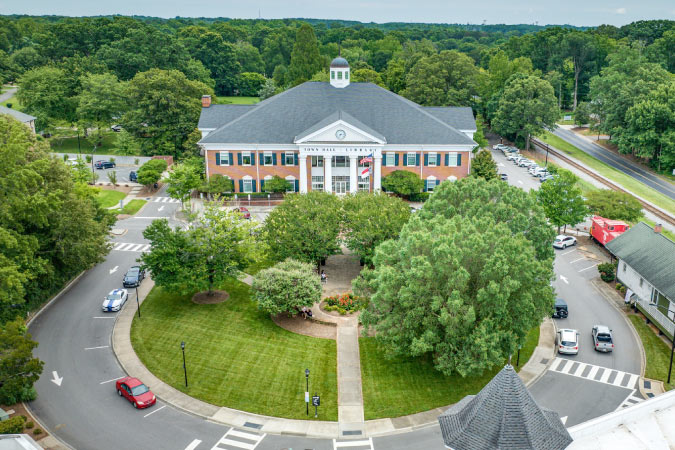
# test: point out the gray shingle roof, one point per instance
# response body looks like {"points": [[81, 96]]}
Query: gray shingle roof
{"points": [[460, 117], [503, 416], [651, 254], [279, 119], [340, 115], [217, 115], [18, 115]]}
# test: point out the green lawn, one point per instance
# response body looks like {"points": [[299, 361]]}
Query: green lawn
{"points": [[15, 103], [603, 169], [257, 266], [407, 386], [69, 144], [236, 356], [107, 198], [132, 207], [237, 100], [657, 352]]}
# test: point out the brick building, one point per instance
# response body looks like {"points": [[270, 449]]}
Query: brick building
{"points": [[339, 137]]}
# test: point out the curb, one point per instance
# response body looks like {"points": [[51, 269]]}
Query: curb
{"points": [[121, 342]]}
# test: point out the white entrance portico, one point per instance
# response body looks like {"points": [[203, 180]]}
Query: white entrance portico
{"points": [[338, 167]]}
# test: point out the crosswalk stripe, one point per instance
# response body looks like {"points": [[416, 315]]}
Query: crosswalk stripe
{"points": [[594, 370], [605, 375], [145, 248], [131, 247], [244, 435], [125, 247], [367, 442], [237, 444], [619, 378], [568, 367], [580, 370], [136, 247], [254, 438], [595, 373], [632, 381]]}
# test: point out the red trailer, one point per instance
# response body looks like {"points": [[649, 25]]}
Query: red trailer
{"points": [[604, 230]]}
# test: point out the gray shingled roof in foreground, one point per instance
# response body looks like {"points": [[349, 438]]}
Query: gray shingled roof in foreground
{"points": [[651, 254], [18, 115], [340, 115], [216, 116], [279, 119], [503, 416], [461, 117]]}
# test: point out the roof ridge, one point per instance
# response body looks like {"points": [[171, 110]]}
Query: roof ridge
{"points": [[414, 105]]}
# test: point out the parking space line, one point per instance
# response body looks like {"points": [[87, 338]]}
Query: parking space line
{"points": [[587, 268], [96, 348], [567, 253], [110, 381], [193, 445], [101, 317], [152, 412], [578, 259]]}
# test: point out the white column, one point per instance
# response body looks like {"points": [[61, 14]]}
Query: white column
{"points": [[328, 173], [353, 177], [377, 173], [303, 173]]}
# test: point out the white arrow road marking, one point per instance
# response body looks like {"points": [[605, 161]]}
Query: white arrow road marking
{"points": [[114, 269], [57, 380], [563, 420], [193, 445], [501, 165], [520, 182], [161, 208], [564, 279]]}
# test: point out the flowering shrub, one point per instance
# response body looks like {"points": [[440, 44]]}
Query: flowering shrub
{"points": [[345, 303]]}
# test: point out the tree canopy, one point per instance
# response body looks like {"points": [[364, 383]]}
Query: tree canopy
{"points": [[403, 182], [561, 199], [614, 205], [484, 166], [19, 370], [286, 287]]}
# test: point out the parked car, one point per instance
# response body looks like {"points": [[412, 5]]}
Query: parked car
{"points": [[115, 300], [526, 163], [568, 341], [543, 174], [563, 241], [100, 164], [504, 177], [546, 178], [560, 309], [133, 176], [245, 212], [602, 338], [499, 147], [136, 392], [536, 171], [116, 128], [133, 277], [512, 156]]}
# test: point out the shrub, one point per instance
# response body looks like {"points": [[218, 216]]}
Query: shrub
{"points": [[29, 425], [419, 197], [12, 426], [136, 161], [37, 431], [607, 271], [88, 158], [65, 157], [403, 183], [345, 303]]}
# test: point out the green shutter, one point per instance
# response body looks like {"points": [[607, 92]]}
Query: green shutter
{"points": [[253, 160], [239, 158], [217, 158], [253, 186], [241, 185], [262, 185], [231, 161], [283, 159], [459, 159], [405, 159], [426, 185], [396, 160], [297, 186], [274, 159], [426, 159], [295, 159], [447, 159], [417, 159]]}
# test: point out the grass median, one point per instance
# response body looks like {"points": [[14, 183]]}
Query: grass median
{"points": [[236, 356], [107, 198], [603, 169], [656, 352], [393, 388], [132, 207]]}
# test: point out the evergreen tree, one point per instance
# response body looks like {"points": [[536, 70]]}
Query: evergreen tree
{"points": [[305, 58], [484, 166]]}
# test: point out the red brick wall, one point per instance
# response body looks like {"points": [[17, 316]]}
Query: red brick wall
{"points": [[237, 172], [441, 172]]}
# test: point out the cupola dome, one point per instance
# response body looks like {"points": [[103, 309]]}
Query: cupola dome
{"points": [[339, 72]]}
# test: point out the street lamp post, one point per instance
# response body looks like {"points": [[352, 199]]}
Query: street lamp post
{"points": [[546, 156], [138, 304], [93, 178], [182, 347], [307, 390]]}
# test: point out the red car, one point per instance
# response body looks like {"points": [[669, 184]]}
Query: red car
{"points": [[244, 212], [136, 392]]}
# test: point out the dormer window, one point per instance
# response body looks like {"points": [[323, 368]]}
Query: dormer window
{"points": [[332, 74]]}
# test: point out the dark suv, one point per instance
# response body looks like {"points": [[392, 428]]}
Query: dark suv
{"points": [[104, 164], [560, 309], [133, 277]]}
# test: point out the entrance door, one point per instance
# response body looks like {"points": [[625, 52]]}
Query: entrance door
{"points": [[340, 187]]}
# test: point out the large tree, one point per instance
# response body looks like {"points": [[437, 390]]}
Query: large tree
{"points": [[164, 107], [561, 199], [19, 370], [403, 182], [580, 47], [526, 108], [102, 97], [484, 166], [615, 205], [217, 246], [370, 219], [460, 287], [182, 180], [304, 227], [305, 58], [45, 93], [286, 287]]}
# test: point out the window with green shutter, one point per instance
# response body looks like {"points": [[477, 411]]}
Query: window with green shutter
{"points": [[217, 158]]}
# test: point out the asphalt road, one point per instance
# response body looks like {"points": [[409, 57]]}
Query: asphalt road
{"points": [[122, 173], [84, 411], [617, 162]]}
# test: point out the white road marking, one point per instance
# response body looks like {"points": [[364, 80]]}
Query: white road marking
{"points": [[165, 200], [254, 439], [619, 378], [160, 208], [564, 365], [630, 400], [633, 379], [563, 420], [520, 182], [564, 279], [131, 247], [591, 374], [110, 381], [578, 259], [57, 380], [605, 375], [193, 445], [502, 165], [101, 317], [567, 253], [588, 268], [580, 370], [114, 269], [136, 247], [146, 217], [152, 412], [363, 443], [96, 348]]}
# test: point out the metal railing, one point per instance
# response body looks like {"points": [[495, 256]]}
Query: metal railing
{"points": [[658, 316]]}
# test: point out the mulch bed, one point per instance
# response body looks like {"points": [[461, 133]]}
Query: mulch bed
{"points": [[306, 327], [203, 298], [19, 410]]}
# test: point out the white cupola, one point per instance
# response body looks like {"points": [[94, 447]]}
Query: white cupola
{"points": [[339, 72]]}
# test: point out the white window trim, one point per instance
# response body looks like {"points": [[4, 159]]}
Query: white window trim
{"points": [[227, 157], [292, 156], [271, 156], [414, 155], [291, 183], [247, 179], [243, 154], [452, 163], [391, 155], [431, 178], [435, 155]]}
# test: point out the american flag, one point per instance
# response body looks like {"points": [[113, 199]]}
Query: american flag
{"points": [[367, 159]]}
